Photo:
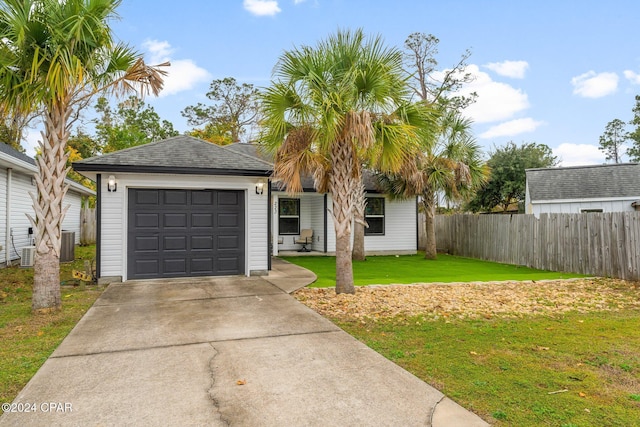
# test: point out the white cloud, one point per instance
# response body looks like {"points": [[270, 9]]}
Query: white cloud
{"points": [[512, 128], [632, 76], [261, 7], [496, 101], [578, 154], [592, 85], [513, 69], [298, 1], [184, 74]]}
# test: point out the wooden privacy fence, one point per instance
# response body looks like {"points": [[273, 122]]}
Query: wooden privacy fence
{"points": [[87, 225], [599, 244]]}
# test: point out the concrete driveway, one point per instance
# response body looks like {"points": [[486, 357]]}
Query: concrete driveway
{"points": [[222, 351]]}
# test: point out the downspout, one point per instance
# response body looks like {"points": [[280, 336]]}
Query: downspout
{"points": [[98, 223], [417, 224], [269, 226], [7, 252], [325, 223]]}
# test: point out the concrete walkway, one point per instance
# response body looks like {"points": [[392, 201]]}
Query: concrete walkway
{"points": [[222, 351]]}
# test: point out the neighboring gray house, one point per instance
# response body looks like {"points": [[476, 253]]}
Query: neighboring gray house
{"points": [[582, 189], [185, 207], [16, 181]]}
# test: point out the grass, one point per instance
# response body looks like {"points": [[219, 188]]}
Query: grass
{"points": [[567, 370], [27, 339], [570, 370], [405, 269]]}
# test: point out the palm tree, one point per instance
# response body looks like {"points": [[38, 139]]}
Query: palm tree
{"points": [[332, 108], [56, 55], [451, 166]]}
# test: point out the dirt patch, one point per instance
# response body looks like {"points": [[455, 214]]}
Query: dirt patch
{"points": [[474, 300]]}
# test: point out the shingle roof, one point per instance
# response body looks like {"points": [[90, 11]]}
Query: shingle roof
{"points": [[7, 149], [31, 166], [179, 154], [307, 181], [584, 182]]}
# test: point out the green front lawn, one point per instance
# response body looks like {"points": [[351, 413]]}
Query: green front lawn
{"points": [[569, 370], [406, 269]]}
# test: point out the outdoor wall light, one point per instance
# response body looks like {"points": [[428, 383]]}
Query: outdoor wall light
{"points": [[112, 185], [260, 188]]}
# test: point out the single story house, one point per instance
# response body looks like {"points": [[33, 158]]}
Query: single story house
{"points": [[392, 223], [16, 182], [583, 189], [184, 207]]}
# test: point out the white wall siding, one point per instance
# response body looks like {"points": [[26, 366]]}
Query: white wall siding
{"points": [[317, 221], [72, 218], [569, 206], [400, 228], [3, 215], [114, 206], [257, 228], [21, 204]]}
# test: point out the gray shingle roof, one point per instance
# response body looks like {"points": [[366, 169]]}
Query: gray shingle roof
{"points": [[179, 154], [7, 149], [307, 181], [585, 182]]}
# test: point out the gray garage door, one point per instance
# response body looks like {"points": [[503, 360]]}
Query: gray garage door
{"points": [[183, 233]]}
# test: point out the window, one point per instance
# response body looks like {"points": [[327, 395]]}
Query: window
{"points": [[289, 216], [590, 210], [374, 216]]}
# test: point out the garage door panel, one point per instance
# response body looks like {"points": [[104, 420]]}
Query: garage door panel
{"points": [[202, 198], [147, 220], [229, 198], [147, 267], [174, 243], [201, 220], [202, 266], [175, 267], [146, 243], [175, 197], [228, 264], [175, 220], [147, 197], [181, 233], [202, 243], [228, 242], [228, 220]]}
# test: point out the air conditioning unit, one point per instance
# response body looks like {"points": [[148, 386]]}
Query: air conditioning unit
{"points": [[28, 256]]}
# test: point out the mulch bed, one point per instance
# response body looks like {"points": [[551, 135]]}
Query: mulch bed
{"points": [[435, 301]]}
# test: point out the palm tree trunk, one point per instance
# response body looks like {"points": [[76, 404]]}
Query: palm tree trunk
{"points": [[340, 187], [430, 251], [49, 212], [359, 224]]}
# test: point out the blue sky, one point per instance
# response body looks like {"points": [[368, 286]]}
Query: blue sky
{"points": [[550, 71]]}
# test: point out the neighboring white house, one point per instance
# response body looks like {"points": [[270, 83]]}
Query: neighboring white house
{"points": [[583, 189], [16, 182], [184, 207]]}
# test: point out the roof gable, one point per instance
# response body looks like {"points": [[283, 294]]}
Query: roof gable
{"points": [[179, 154], [584, 182]]}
